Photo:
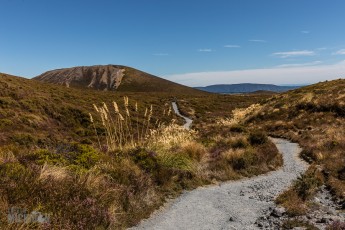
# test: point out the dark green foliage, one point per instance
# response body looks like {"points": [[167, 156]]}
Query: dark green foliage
{"points": [[335, 108], [257, 138], [145, 159], [239, 144], [5, 123], [237, 128], [23, 139], [80, 155]]}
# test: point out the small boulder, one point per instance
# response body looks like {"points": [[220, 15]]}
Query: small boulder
{"points": [[278, 212]]}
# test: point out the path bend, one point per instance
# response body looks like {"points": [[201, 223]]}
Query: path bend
{"points": [[231, 205]]}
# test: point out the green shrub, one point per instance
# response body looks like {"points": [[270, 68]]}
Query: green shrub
{"points": [[175, 161], [5, 123], [145, 159], [84, 156], [12, 170], [80, 155], [42, 156]]}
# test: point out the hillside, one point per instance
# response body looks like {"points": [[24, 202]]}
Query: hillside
{"points": [[112, 78], [88, 163], [314, 117], [29, 106], [245, 88]]}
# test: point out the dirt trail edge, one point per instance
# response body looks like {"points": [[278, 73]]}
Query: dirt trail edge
{"points": [[230, 205]]}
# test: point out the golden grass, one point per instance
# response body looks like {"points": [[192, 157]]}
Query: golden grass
{"points": [[168, 136], [119, 176], [239, 115], [120, 132], [52, 172], [312, 116]]}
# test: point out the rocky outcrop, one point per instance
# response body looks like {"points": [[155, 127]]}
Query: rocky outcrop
{"points": [[113, 78], [108, 77]]}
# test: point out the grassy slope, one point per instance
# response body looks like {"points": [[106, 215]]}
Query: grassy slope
{"points": [[313, 116], [49, 160], [138, 81], [45, 113]]}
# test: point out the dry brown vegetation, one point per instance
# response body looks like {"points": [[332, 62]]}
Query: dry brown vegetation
{"points": [[313, 116], [89, 168]]}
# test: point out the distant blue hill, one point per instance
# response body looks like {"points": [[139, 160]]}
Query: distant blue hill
{"points": [[245, 88]]}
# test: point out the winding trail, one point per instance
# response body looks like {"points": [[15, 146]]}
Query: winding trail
{"points": [[187, 119], [231, 205]]}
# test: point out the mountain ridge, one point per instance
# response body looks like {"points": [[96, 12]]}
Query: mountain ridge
{"points": [[112, 78], [245, 88]]}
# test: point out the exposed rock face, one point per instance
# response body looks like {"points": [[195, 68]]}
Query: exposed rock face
{"points": [[106, 77], [113, 78]]}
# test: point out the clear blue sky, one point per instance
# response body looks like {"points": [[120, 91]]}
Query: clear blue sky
{"points": [[195, 42]]}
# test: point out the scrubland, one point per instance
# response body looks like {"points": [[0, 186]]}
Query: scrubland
{"points": [[99, 160], [314, 117]]}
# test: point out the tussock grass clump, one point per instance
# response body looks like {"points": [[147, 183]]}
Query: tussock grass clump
{"points": [[168, 136], [304, 187], [293, 204], [120, 130]]}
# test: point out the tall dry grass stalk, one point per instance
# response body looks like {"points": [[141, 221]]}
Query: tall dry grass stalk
{"points": [[129, 127]]}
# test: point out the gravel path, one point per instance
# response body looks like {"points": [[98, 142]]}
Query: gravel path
{"points": [[187, 119], [231, 205]]}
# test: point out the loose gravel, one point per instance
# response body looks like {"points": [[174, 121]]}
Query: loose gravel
{"points": [[188, 121], [230, 205]]}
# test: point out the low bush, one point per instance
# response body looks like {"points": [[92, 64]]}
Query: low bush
{"points": [[80, 155], [237, 128], [293, 204], [307, 184], [147, 160], [239, 143], [257, 138]]}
